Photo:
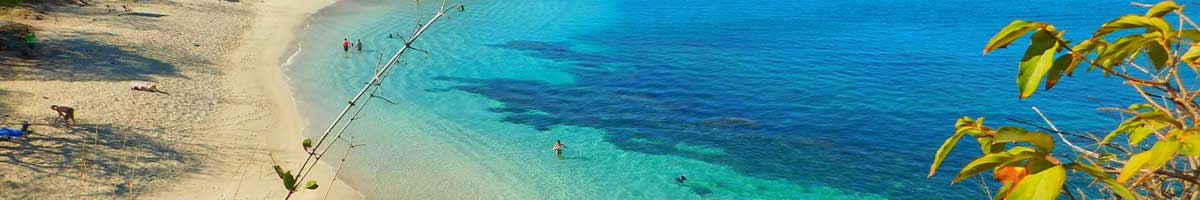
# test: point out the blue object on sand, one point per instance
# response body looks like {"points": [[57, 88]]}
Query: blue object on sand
{"points": [[8, 132]]}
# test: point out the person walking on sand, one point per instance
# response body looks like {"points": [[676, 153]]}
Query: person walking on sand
{"points": [[345, 45], [559, 147], [66, 113], [359, 45]]}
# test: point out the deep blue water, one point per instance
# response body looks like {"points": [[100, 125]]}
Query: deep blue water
{"points": [[849, 96]]}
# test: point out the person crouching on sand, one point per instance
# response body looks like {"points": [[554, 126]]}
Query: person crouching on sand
{"points": [[66, 113]]}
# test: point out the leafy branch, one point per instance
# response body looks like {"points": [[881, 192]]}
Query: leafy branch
{"points": [[1150, 62]]}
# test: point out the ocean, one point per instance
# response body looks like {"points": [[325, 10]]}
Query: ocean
{"points": [[751, 99]]}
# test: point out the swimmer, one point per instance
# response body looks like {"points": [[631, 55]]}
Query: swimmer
{"points": [[559, 147]]}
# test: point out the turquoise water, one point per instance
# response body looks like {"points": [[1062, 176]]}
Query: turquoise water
{"points": [[749, 99]]}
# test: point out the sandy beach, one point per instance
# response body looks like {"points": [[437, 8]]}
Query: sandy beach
{"points": [[225, 112]]}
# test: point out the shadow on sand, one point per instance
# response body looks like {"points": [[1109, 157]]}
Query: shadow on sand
{"points": [[5, 107], [108, 159], [76, 59]]}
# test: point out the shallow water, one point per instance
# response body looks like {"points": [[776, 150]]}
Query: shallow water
{"points": [[750, 99]]}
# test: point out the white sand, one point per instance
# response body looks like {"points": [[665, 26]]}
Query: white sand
{"points": [[228, 106]]}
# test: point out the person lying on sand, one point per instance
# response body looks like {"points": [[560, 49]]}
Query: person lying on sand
{"points": [[66, 113], [6, 133], [144, 86]]}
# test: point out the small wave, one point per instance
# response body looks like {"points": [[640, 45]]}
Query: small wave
{"points": [[291, 59]]}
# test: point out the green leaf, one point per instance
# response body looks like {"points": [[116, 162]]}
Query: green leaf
{"points": [[1140, 133], [289, 181], [1158, 117], [1010, 33], [1142, 125], [1019, 153], [1088, 45], [1125, 127], [312, 185], [1112, 184], [1139, 106], [1038, 59], [1162, 152], [1132, 166], [970, 127], [307, 143], [1153, 159], [1190, 34], [1190, 144], [949, 143], [1056, 71], [991, 161], [1046, 184], [1162, 8], [1158, 55], [1190, 57], [1081, 51], [1042, 141], [1132, 21], [1125, 47], [987, 145], [1004, 190]]}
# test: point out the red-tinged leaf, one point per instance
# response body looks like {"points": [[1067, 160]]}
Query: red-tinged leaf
{"points": [[991, 161], [1009, 174], [1042, 185]]}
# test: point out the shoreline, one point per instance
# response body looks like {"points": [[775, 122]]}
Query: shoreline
{"points": [[264, 68], [257, 78]]}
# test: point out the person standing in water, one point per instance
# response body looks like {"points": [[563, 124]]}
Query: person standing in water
{"points": [[345, 45], [359, 45], [559, 147]]}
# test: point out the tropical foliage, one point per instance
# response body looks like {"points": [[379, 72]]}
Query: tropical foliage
{"points": [[1159, 158]]}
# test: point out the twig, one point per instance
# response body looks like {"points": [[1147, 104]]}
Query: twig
{"points": [[1177, 175], [983, 185], [339, 168], [1068, 192], [1084, 136], [1064, 138]]}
